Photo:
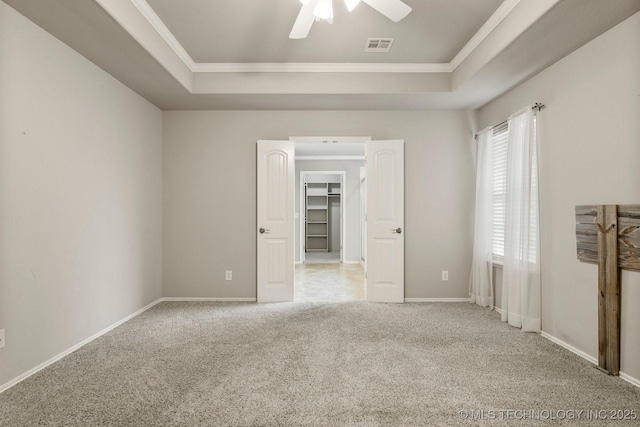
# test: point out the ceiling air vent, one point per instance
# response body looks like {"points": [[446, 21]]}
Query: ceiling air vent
{"points": [[378, 45]]}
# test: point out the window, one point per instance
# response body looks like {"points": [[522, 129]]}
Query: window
{"points": [[500, 136]]}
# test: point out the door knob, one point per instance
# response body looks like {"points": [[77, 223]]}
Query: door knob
{"points": [[262, 230], [397, 230]]}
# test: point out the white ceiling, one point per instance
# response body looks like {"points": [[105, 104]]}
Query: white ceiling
{"points": [[237, 31], [427, 69]]}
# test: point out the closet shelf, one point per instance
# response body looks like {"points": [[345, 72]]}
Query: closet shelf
{"points": [[318, 224]]}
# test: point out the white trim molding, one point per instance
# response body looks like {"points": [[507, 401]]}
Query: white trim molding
{"points": [[587, 357], [492, 23], [629, 378], [214, 299], [329, 157], [569, 347], [301, 67], [436, 300], [82, 343], [332, 139], [75, 347], [152, 17], [320, 67]]}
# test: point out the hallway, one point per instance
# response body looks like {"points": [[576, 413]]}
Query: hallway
{"points": [[329, 282]]}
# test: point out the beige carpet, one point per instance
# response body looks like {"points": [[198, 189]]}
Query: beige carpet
{"points": [[342, 364]]}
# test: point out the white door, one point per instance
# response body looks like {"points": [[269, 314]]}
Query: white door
{"points": [[275, 226], [385, 221]]}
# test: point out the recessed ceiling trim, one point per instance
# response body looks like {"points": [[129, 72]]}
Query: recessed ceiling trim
{"points": [[147, 11], [494, 20], [315, 67], [157, 23]]}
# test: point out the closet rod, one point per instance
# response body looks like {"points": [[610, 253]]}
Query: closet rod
{"points": [[538, 106]]}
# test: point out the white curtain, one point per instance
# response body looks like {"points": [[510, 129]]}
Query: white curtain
{"points": [[521, 274], [481, 281]]}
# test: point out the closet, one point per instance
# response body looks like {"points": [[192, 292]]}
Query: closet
{"points": [[322, 216]]}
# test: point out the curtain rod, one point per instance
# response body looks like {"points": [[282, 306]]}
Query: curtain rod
{"points": [[538, 106]]}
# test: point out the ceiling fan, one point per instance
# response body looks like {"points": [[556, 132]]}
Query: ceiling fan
{"points": [[316, 10]]}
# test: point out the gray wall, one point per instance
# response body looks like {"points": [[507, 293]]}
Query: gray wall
{"points": [[351, 193], [210, 193], [589, 154], [80, 197]]}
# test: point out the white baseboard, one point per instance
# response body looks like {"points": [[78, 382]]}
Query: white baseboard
{"points": [[497, 309], [351, 262], [209, 299], [588, 357], [569, 347], [70, 350], [436, 300], [629, 378]]}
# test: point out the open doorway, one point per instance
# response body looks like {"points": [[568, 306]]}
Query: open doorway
{"points": [[277, 220], [328, 228], [323, 217]]}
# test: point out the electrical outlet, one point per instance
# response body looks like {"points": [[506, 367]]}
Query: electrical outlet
{"points": [[228, 275], [445, 276], [1, 338]]}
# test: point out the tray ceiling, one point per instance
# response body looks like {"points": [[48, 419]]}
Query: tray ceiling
{"points": [[248, 66], [237, 31]]}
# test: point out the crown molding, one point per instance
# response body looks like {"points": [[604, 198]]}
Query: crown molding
{"points": [[494, 20], [318, 67], [152, 17], [263, 67]]}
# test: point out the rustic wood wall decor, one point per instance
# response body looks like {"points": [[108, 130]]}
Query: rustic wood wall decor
{"points": [[609, 235]]}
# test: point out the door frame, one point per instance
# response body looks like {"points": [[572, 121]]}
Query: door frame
{"points": [[296, 139], [343, 213]]}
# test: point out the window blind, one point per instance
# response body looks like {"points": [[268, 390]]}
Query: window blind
{"points": [[500, 137]]}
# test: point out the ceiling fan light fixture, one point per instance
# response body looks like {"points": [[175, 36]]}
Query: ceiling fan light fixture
{"points": [[324, 11], [351, 4], [316, 10]]}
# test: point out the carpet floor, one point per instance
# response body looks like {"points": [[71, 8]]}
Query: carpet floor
{"points": [[340, 364]]}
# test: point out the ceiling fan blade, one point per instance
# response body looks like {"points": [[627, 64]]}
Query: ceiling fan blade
{"points": [[304, 21], [395, 10]]}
